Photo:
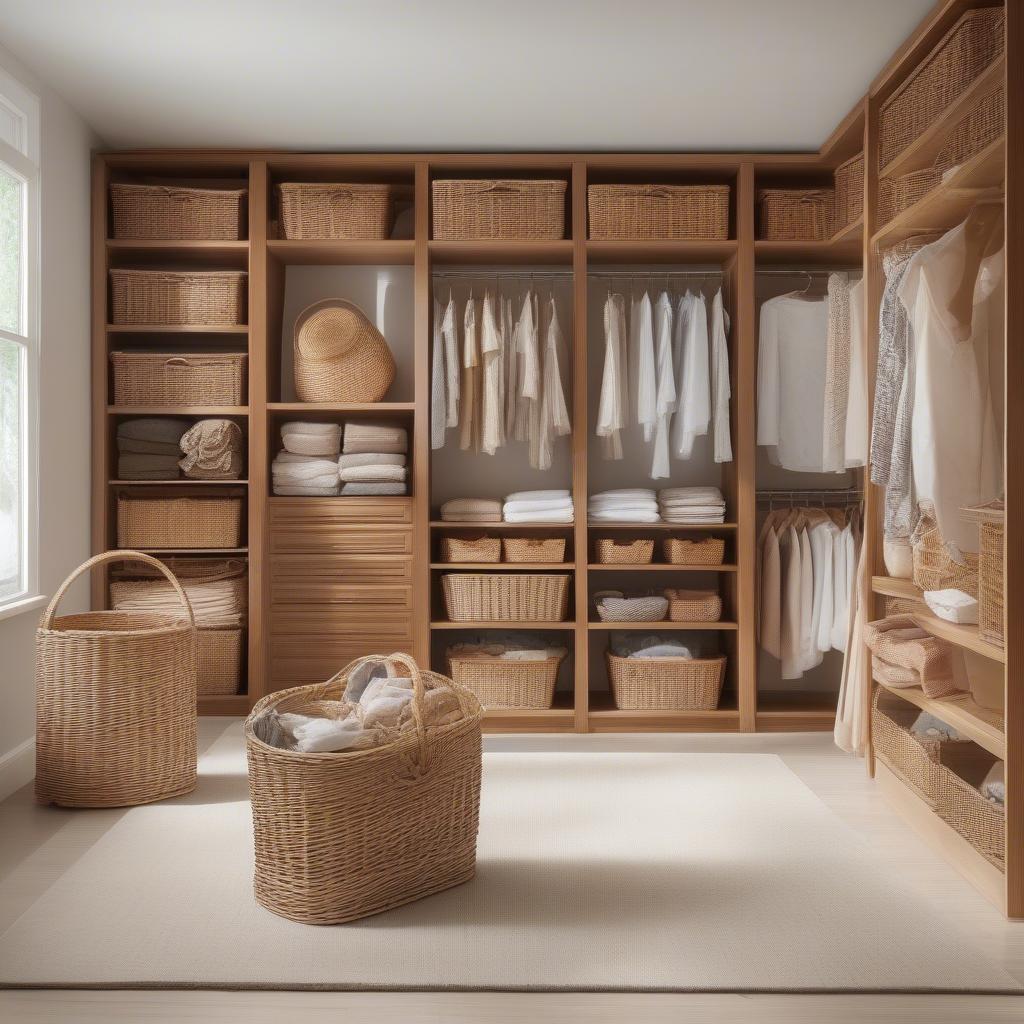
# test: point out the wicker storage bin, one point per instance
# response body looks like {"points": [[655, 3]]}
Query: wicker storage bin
{"points": [[694, 606], [171, 297], [318, 210], [624, 552], [849, 200], [533, 549], [115, 702], [962, 54], [658, 211], [166, 378], [470, 549], [505, 597], [666, 684], [173, 212], [220, 662], [683, 551], [617, 608], [796, 214], [934, 568], [991, 520], [912, 758], [409, 808], [962, 769], [159, 522], [498, 683], [493, 208]]}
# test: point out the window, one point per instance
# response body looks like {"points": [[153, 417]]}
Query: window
{"points": [[19, 341]]}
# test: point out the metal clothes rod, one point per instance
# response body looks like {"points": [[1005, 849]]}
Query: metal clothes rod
{"points": [[810, 272], [483, 275]]}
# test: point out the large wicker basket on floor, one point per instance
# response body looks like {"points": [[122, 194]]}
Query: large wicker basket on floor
{"points": [[115, 702], [342, 836], [499, 683], [504, 597], [165, 522], [177, 297], [666, 684], [489, 208], [171, 378], [178, 213], [658, 211], [312, 209]]}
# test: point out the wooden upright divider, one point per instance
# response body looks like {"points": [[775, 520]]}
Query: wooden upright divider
{"points": [[420, 448]]}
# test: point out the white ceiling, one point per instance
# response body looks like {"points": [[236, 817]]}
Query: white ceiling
{"points": [[460, 74]]}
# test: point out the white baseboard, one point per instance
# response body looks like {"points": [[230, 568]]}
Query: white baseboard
{"points": [[17, 767]]}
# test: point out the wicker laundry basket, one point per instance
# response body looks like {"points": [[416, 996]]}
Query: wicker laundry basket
{"points": [[115, 702], [849, 192], [340, 356], [934, 567], [617, 608], [341, 836], [499, 683], [533, 549], [683, 551], [957, 60], [796, 214], [505, 597], [174, 297], [693, 605], [168, 378], [658, 211], [322, 210], [220, 662], [493, 208], [624, 552], [159, 522], [959, 802], [914, 759], [470, 549], [178, 213], [666, 684]]}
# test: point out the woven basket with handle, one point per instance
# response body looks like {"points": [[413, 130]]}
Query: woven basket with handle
{"points": [[624, 552], [115, 701], [533, 549], [683, 551], [796, 214], [340, 836], [470, 549], [504, 597]]}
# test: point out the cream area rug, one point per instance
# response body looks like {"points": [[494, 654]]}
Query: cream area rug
{"points": [[633, 872]]}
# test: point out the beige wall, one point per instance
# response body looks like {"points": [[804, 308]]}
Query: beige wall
{"points": [[65, 145]]}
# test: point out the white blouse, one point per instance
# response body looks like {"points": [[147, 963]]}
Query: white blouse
{"points": [[665, 392], [693, 411], [721, 389]]}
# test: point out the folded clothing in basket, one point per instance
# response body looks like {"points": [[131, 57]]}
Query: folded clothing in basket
{"points": [[691, 505], [471, 510], [374, 437], [899, 642], [213, 450], [650, 646], [304, 474], [624, 505], [929, 727], [993, 786], [538, 507], [514, 647], [615, 606], [304, 438]]}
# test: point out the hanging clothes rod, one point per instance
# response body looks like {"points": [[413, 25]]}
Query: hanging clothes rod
{"points": [[484, 275], [809, 272], [647, 275]]}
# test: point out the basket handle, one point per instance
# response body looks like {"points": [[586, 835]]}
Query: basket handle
{"points": [[113, 556], [185, 361]]}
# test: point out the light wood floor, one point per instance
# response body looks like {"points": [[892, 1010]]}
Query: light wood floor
{"points": [[837, 779]]}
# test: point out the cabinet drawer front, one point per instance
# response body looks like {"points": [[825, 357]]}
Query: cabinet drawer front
{"points": [[308, 660], [358, 599], [355, 621], [379, 511], [329, 538], [354, 569]]}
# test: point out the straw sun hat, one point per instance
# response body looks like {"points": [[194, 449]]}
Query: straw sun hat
{"points": [[340, 356]]}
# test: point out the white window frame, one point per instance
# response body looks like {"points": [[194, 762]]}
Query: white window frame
{"points": [[22, 159]]}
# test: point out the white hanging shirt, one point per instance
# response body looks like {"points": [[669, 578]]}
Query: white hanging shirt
{"points": [[438, 397], [721, 388], [508, 327], [791, 381], [611, 409], [450, 337], [693, 411], [554, 414], [665, 391], [469, 411], [527, 368], [491, 370], [644, 379]]}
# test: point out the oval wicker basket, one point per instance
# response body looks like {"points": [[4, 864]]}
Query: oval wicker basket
{"points": [[624, 552], [115, 701], [498, 208], [658, 211], [683, 551], [533, 549], [178, 213], [470, 549], [505, 597], [666, 684], [311, 209], [693, 606], [410, 807], [500, 683]]}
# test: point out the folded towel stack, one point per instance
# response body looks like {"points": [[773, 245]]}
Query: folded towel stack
{"points": [[626, 505], [538, 507], [695, 506], [309, 463], [471, 510], [322, 439], [213, 450], [650, 646], [374, 460], [149, 449], [373, 438]]}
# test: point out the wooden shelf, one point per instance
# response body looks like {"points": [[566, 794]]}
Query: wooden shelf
{"points": [[441, 524], [504, 566], [342, 407], [498, 251], [178, 482], [342, 252], [662, 625], [967, 637], [657, 567], [131, 251], [178, 410], [603, 716], [851, 233], [660, 251], [640, 527], [559, 718], [177, 328], [445, 624]]}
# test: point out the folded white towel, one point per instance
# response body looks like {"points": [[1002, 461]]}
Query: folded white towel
{"points": [[373, 474], [625, 516], [370, 459], [546, 516], [696, 495], [625, 506], [295, 490], [374, 437], [558, 505], [629, 493], [536, 495], [953, 606], [368, 489]]}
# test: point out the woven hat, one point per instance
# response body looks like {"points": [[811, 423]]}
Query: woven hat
{"points": [[340, 356]]}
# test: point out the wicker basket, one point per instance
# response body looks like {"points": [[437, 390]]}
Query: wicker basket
{"points": [[159, 522], [694, 606], [318, 210], [959, 58], [666, 684], [115, 702], [962, 769], [166, 378], [533, 549], [493, 208], [991, 520], [912, 758], [220, 662], [934, 567], [683, 551], [470, 549], [498, 683], [410, 808], [504, 597], [172, 297], [173, 212], [616, 608], [658, 211], [976, 130], [624, 552], [849, 201], [796, 214]]}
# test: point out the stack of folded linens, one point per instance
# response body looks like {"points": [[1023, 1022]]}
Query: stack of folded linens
{"points": [[374, 460], [309, 463], [471, 510], [149, 449], [692, 506], [362, 438], [213, 450], [626, 505], [538, 507]]}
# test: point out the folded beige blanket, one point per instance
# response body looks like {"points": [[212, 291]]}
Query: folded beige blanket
{"points": [[370, 459], [459, 507], [373, 437], [218, 594], [367, 489], [373, 474], [213, 450], [312, 438]]}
